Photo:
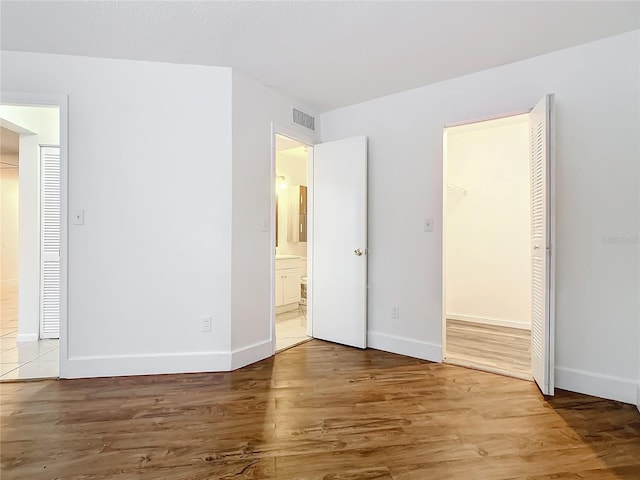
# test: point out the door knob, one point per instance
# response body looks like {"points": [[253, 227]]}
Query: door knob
{"points": [[358, 252]]}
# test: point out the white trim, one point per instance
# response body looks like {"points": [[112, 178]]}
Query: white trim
{"points": [[26, 337], [125, 365], [490, 321], [551, 225], [62, 102], [310, 236], [404, 346], [638, 397], [253, 353], [156, 364], [597, 385]]}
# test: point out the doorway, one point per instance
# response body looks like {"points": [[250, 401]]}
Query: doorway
{"points": [[336, 239], [487, 246], [292, 325], [31, 283]]}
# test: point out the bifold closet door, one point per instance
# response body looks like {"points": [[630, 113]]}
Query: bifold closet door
{"points": [[49, 242], [542, 218]]}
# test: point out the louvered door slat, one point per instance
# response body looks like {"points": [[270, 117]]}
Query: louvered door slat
{"points": [[50, 242], [539, 124]]}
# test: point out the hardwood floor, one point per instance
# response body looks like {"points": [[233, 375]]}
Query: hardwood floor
{"points": [[315, 411], [491, 348]]}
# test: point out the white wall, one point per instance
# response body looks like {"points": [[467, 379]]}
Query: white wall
{"points": [[37, 126], [294, 168], [9, 214], [488, 234], [43, 121], [597, 96], [254, 108], [149, 160]]}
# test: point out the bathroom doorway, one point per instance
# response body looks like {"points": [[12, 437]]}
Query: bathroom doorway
{"points": [[292, 325]]}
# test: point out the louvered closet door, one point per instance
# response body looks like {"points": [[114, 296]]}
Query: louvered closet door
{"points": [[542, 313], [49, 242]]}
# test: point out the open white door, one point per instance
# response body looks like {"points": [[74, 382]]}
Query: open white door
{"points": [[542, 240], [339, 249], [50, 242]]}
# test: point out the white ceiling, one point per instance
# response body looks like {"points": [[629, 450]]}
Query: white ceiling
{"points": [[327, 54]]}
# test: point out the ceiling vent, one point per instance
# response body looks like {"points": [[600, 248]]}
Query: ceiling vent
{"points": [[304, 119]]}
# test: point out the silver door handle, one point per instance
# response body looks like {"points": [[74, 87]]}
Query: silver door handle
{"points": [[358, 252]]}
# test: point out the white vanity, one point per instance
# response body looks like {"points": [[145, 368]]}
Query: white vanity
{"points": [[288, 273]]}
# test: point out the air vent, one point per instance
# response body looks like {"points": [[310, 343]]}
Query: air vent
{"points": [[304, 119]]}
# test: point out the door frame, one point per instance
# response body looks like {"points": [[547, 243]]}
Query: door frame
{"points": [[552, 229], [308, 140], [62, 102]]}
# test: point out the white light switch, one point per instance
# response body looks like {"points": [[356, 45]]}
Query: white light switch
{"points": [[428, 224], [78, 217]]}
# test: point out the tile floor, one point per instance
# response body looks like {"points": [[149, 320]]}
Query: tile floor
{"points": [[22, 361], [291, 329]]}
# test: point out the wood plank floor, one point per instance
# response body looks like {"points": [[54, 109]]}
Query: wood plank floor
{"points": [[316, 411], [491, 348]]}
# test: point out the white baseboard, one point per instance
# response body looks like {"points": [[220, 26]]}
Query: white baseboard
{"points": [[192, 362], [404, 346], [251, 354], [26, 337], [287, 308], [603, 386], [116, 366], [490, 321]]}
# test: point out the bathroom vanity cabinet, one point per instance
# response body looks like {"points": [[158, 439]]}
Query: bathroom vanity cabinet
{"points": [[287, 282]]}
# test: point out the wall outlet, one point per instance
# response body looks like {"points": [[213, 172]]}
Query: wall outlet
{"points": [[395, 312], [78, 217], [206, 324]]}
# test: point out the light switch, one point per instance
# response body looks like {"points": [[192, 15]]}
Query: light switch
{"points": [[428, 224], [78, 217]]}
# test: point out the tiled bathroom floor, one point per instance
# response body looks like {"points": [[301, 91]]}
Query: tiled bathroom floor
{"points": [[291, 329], [22, 361]]}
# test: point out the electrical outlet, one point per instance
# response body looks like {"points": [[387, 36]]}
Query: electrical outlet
{"points": [[395, 312], [78, 217], [206, 324]]}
